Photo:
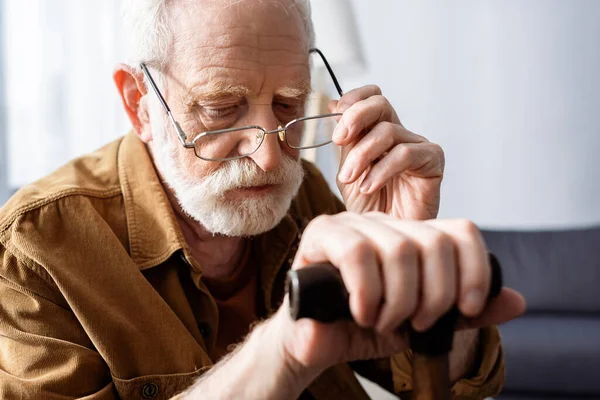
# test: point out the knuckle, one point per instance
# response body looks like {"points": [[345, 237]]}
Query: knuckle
{"points": [[439, 155], [343, 104], [319, 221], [361, 153], [467, 228], [385, 168], [382, 141], [438, 303], [388, 127], [388, 132], [384, 106], [440, 152], [438, 242], [478, 284], [403, 249], [375, 89], [381, 100], [353, 122], [405, 151], [360, 249]]}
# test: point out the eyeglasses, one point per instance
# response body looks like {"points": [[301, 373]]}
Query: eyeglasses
{"points": [[307, 132]]}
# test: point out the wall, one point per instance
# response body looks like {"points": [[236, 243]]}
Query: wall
{"points": [[59, 57], [3, 165], [510, 89]]}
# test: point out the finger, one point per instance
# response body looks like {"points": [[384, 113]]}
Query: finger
{"points": [[400, 271], [424, 160], [329, 239], [372, 146], [360, 116], [332, 105], [474, 267], [438, 270], [508, 305], [356, 95]]}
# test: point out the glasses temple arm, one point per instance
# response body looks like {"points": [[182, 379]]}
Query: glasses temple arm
{"points": [[329, 69], [155, 88], [180, 132]]}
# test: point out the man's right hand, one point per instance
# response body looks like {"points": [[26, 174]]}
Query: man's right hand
{"points": [[395, 271]]}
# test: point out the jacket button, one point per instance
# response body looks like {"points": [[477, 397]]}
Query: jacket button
{"points": [[204, 329], [149, 390]]}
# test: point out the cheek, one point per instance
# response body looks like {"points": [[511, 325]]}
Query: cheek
{"points": [[292, 153], [194, 167]]}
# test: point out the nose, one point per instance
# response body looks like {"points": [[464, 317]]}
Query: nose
{"points": [[268, 156]]}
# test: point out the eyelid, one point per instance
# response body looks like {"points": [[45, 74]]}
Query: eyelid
{"points": [[219, 104], [220, 110], [290, 100], [223, 107]]}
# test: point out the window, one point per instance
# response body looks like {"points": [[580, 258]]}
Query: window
{"points": [[59, 97], [3, 153]]}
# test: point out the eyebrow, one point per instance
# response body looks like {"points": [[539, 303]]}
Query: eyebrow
{"points": [[215, 91], [298, 90]]}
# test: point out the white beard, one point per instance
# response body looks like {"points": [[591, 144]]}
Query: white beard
{"points": [[204, 199]]}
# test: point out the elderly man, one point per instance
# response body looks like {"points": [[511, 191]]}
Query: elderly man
{"points": [[140, 271]]}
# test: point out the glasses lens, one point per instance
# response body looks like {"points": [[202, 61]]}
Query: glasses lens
{"points": [[310, 132], [228, 145]]}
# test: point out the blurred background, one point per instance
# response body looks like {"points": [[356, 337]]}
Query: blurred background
{"points": [[509, 88]]}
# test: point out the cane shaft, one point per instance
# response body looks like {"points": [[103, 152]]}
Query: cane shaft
{"points": [[431, 377]]}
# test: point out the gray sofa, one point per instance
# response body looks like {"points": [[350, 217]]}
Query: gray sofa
{"points": [[554, 350]]}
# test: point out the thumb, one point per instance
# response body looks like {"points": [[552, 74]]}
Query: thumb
{"points": [[332, 106], [509, 305]]}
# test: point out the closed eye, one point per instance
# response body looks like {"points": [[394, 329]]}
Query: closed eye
{"points": [[220, 112], [288, 109]]}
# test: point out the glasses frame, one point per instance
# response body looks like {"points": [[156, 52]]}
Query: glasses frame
{"points": [[183, 138]]}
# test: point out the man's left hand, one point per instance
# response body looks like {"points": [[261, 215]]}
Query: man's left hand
{"points": [[384, 167]]}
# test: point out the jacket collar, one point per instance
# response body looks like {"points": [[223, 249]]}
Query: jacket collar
{"points": [[154, 234]]}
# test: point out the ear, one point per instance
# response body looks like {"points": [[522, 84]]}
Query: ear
{"points": [[131, 86]]}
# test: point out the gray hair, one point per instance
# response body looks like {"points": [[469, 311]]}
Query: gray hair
{"points": [[146, 23]]}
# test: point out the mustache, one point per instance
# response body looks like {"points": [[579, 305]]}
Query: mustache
{"points": [[244, 173]]}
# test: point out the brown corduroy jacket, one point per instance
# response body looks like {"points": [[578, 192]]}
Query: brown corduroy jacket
{"points": [[100, 298]]}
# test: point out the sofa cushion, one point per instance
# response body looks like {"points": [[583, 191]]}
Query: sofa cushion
{"points": [[554, 270], [552, 354]]}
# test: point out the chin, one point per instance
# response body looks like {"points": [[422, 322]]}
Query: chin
{"points": [[241, 217], [238, 199]]}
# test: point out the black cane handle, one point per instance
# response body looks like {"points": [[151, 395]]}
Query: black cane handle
{"points": [[318, 292]]}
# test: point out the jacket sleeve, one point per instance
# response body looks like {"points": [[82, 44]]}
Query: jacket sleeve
{"points": [[44, 351], [487, 381]]}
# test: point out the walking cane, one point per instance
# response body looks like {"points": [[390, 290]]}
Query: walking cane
{"points": [[318, 292]]}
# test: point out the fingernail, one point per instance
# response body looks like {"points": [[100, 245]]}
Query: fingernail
{"points": [[345, 174], [340, 131], [422, 324], [472, 302], [365, 186]]}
